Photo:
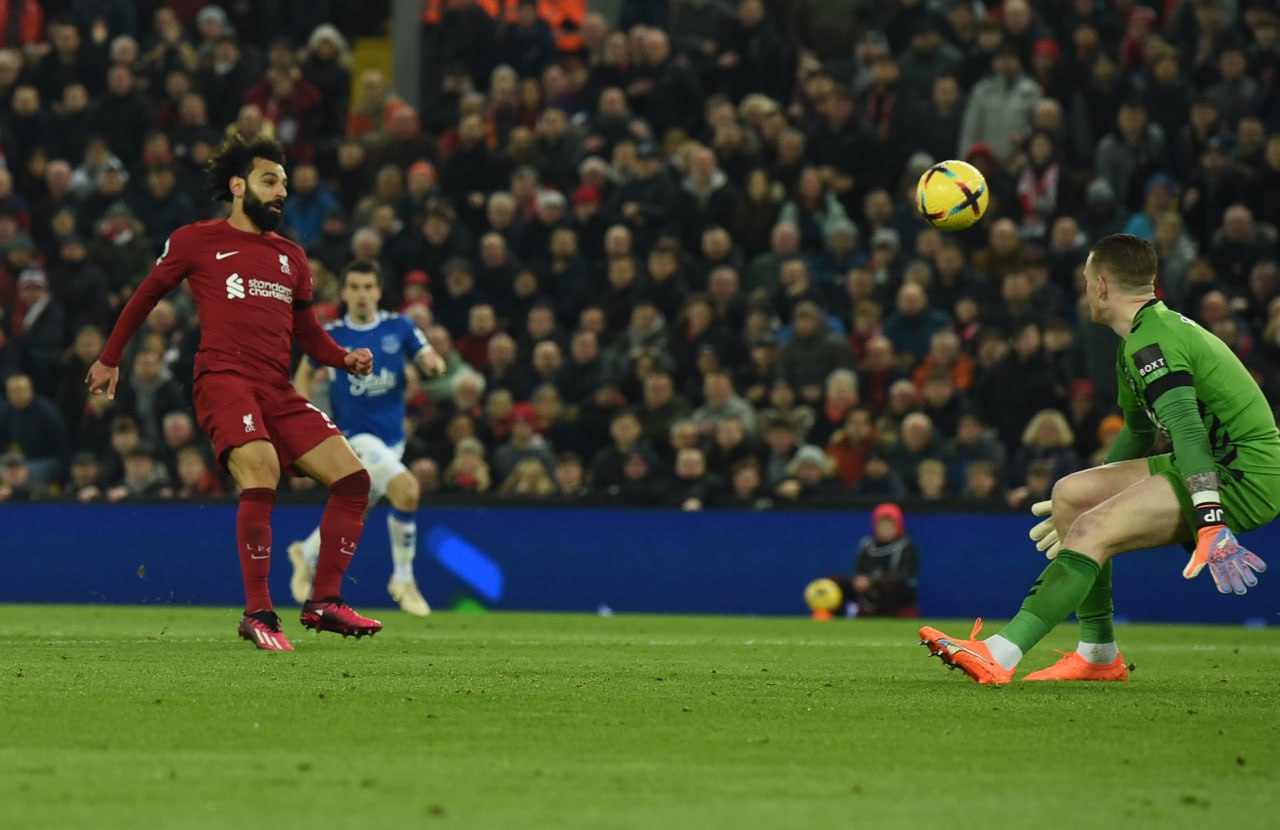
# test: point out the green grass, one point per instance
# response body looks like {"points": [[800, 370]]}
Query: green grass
{"points": [[158, 717]]}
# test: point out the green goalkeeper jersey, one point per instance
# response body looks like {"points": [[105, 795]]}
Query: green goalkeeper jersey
{"points": [[1165, 353]]}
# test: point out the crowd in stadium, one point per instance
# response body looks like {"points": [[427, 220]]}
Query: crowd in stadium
{"points": [[672, 260]]}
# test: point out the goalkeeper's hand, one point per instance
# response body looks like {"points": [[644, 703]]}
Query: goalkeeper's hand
{"points": [[1231, 564], [1045, 535]]}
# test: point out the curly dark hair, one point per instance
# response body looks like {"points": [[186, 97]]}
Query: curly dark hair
{"points": [[235, 158]]}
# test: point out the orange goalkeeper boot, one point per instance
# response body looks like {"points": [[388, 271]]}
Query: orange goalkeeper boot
{"points": [[1074, 667], [971, 656]]}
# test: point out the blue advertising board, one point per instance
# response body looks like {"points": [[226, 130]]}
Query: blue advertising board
{"points": [[584, 560]]}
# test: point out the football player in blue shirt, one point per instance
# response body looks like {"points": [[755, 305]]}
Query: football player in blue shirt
{"points": [[370, 410]]}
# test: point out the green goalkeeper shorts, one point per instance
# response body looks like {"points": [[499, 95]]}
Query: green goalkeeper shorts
{"points": [[1249, 500]]}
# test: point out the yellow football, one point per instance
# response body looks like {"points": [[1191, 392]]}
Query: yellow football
{"points": [[952, 195]]}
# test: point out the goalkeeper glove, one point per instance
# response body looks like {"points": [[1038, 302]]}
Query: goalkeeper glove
{"points": [[1045, 535], [1231, 565]]}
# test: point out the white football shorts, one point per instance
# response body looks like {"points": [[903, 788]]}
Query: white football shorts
{"points": [[382, 462]]}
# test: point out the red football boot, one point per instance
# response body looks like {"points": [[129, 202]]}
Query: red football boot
{"points": [[332, 614], [262, 628]]}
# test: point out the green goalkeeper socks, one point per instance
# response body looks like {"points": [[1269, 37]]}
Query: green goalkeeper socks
{"points": [[1059, 591], [1097, 610]]}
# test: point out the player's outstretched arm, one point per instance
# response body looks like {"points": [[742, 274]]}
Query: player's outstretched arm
{"points": [[1135, 439], [317, 344], [431, 363], [169, 270]]}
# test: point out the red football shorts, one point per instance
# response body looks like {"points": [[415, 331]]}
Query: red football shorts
{"points": [[234, 410]]}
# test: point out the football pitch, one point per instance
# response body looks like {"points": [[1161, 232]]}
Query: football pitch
{"points": [[159, 717]]}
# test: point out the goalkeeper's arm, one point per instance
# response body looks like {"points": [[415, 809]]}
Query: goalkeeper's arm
{"points": [[1136, 438]]}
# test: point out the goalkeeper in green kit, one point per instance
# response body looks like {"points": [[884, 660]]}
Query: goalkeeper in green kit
{"points": [[1222, 478]]}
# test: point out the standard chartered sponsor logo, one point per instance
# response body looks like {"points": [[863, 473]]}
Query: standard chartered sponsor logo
{"points": [[271, 290], [238, 288], [372, 385]]}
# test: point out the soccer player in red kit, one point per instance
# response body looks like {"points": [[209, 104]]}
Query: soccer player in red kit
{"points": [[252, 288]]}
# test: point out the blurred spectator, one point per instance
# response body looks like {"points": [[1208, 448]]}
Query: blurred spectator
{"points": [[143, 477], [878, 372], [161, 208], [529, 478], [525, 443], [37, 333], [1017, 386], [1132, 154], [659, 406], [1239, 245], [627, 436], [982, 486], [195, 478], [124, 116], [640, 484], [1038, 487], [973, 443], [147, 393], [693, 486], [999, 108], [468, 472], [1235, 92], [569, 477], [931, 480], [850, 445], [839, 396], [1047, 438], [16, 483], [878, 478], [916, 441], [746, 489], [729, 446], [32, 425], [309, 203], [945, 356], [177, 431], [911, 327], [811, 354], [942, 403], [720, 401], [84, 484], [809, 480], [374, 107]]}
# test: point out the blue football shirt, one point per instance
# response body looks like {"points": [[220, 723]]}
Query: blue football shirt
{"points": [[374, 403]]}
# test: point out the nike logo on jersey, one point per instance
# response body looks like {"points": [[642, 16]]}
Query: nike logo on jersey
{"points": [[224, 254]]}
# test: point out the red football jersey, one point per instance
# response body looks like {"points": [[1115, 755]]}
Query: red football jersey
{"points": [[244, 284]]}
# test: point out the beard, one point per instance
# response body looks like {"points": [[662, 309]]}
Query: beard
{"points": [[259, 212]]}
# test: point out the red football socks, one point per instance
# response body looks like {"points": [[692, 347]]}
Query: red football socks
{"points": [[253, 533], [340, 529]]}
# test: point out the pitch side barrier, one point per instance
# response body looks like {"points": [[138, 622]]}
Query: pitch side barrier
{"points": [[506, 556]]}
